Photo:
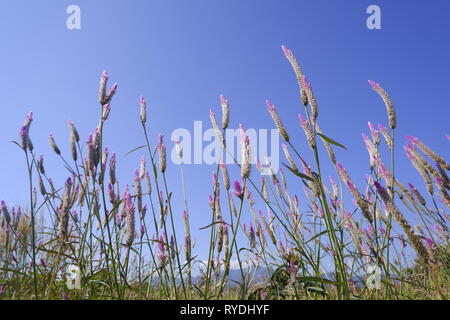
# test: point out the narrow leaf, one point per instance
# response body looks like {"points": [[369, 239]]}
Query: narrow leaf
{"points": [[329, 140]]}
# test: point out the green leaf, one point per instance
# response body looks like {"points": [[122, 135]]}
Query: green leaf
{"points": [[329, 140], [135, 149], [317, 279], [298, 174]]}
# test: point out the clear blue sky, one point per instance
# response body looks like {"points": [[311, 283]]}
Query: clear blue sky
{"points": [[182, 54]]}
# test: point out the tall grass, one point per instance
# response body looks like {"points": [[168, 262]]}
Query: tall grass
{"points": [[124, 241]]}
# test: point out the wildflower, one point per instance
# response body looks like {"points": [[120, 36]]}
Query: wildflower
{"points": [[147, 182], [372, 150], [187, 235], [111, 93], [388, 103], [112, 169], [106, 111], [73, 131], [220, 236], [398, 216], [73, 147], [219, 134], [430, 244], [162, 154], [102, 88], [225, 111], [252, 237], [142, 168], [129, 219], [375, 133], [225, 241], [138, 190], [419, 167], [172, 247], [53, 144], [417, 194], [143, 109], [246, 166], [238, 190], [386, 136], [288, 157], [161, 254], [40, 164], [298, 72], [281, 129], [360, 201], [24, 137], [311, 99], [430, 153], [308, 132], [327, 145], [292, 269], [41, 186], [225, 176]]}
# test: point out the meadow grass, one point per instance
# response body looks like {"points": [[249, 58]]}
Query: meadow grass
{"points": [[124, 241]]}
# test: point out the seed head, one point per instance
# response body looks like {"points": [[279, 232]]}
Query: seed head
{"points": [[388, 103], [276, 119], [53, 144]]}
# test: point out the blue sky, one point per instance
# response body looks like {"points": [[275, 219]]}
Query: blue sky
{"points": [[182, 54]]}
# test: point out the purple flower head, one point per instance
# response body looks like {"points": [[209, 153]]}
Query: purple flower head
{"points": [[379, 187], [161, 141], [429, 243], [238, 190]]}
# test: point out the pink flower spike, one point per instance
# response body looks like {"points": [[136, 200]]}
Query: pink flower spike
{"points": [[270, 107], [223, 100], [374, 85], [142, 99], [412, 139], [287, 52], [305, 83]]}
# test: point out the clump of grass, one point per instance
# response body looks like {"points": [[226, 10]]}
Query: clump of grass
{"points": [[316, 246]]}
